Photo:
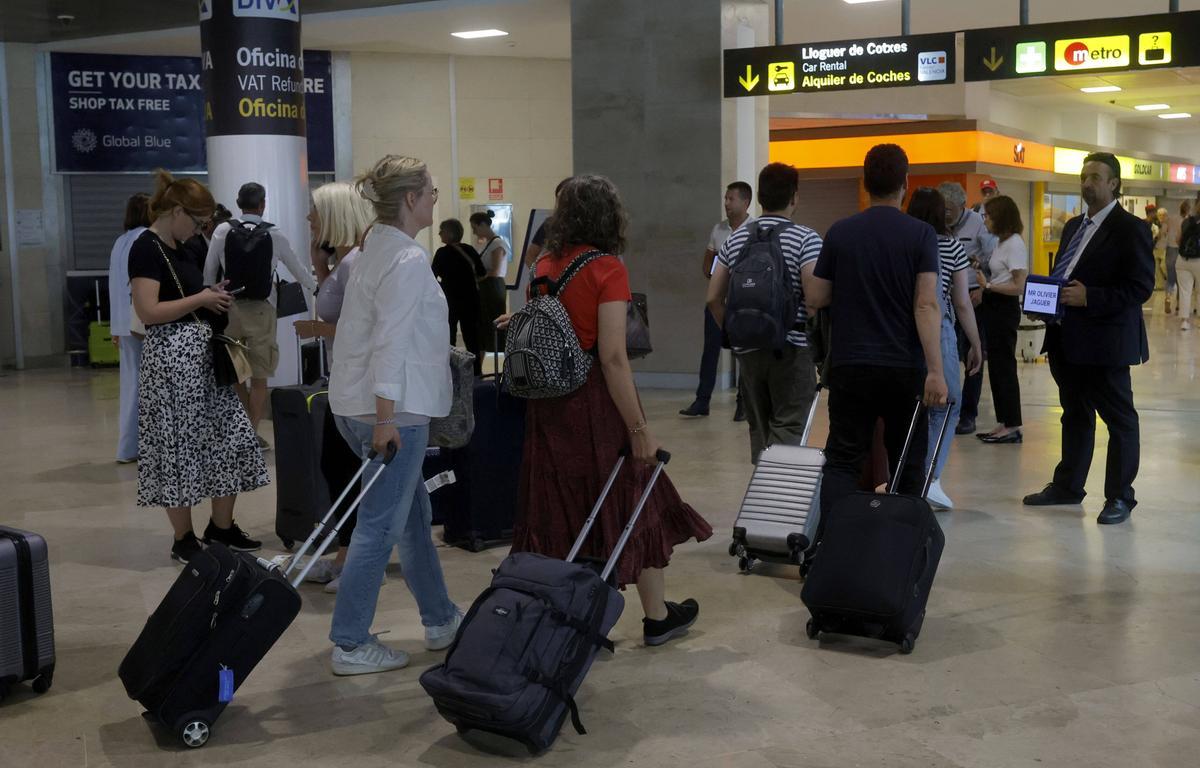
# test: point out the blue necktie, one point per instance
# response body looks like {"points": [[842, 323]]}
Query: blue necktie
{"points": [[1063, 265]]}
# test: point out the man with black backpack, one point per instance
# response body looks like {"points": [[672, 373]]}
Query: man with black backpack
{"points": [[246, 252], [757, 296]]}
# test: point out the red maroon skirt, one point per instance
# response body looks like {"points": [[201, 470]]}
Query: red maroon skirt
{"points": [[571, 446]]}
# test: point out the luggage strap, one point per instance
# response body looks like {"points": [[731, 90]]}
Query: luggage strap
{"points": [[559, 689], [581, 627]]}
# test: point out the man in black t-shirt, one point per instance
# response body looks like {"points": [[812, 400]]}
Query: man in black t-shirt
{"points": [[878, 273]]}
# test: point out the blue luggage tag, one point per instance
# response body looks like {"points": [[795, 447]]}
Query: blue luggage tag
{"points": [[225, 685]]}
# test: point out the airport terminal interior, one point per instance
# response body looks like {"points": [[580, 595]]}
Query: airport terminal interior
{"points": [[1062, 634]]}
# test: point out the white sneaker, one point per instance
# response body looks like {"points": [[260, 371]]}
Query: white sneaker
{"points": [[323, 572], [440, 637], [1186, 325], [937, 497], [332, 587], [370, 657]]}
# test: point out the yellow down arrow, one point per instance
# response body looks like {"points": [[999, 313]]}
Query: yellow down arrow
{"points": [[749, 80], [993, 63]]}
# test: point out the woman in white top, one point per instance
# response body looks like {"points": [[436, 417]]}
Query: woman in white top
{"points": [[390, 376], [338, 221], [493, 291], [120, 316], [1003, 281]]}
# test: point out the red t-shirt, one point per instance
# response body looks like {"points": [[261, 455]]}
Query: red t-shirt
{"points": [[600, 282]]}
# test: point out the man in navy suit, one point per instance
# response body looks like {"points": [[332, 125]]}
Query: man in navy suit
{"points": [[1107, 263]]}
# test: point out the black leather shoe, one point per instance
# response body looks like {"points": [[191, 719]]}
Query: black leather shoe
{"points": [[695, 409], [1051, 496], [1115, 511], [739, 413], [1011, 437], [965, 428]]}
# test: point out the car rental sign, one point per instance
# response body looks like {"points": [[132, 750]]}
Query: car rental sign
{"points": [[846, 65]]}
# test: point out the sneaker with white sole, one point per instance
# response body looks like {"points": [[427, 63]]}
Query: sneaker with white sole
{"points": [[323, 572], [331, 588], [440, 637], [937, 497], [368, 658]]}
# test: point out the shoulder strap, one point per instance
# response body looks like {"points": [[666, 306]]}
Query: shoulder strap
{"points": [[577, 264]]}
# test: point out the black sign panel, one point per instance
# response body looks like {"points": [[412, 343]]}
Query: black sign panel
{"points": [[1089, 46], [846, 65], [253, 67]]}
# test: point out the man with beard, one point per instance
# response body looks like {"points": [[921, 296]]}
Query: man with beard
{"points": [[1107, 265]]}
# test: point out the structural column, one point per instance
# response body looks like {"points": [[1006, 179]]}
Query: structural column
{"points": [[255, 121]]}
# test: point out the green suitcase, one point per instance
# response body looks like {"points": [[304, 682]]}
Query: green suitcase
{"points": [[101, 350]]}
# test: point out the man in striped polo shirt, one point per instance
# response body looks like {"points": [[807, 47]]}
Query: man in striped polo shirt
{"points": [[777, 386]]}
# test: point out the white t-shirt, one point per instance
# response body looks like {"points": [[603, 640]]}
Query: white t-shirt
{"points": [[489, 253], [1010, 254], [720, 234]]}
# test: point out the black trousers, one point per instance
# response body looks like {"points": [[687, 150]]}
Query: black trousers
{"points": [[1084, 391], [710, 358], [860, 395], [1001, 316], [464, 313], [973, 384]]}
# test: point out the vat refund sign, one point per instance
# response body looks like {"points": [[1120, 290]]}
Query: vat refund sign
{"points": [[884, 62], [117, 114]]}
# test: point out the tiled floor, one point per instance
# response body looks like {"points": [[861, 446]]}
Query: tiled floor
{"points": [[1050, 641]]}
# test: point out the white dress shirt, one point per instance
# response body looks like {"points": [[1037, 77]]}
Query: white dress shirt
{"points": [[391, 336], [120, 299], [281, 250], [1089, 233]]}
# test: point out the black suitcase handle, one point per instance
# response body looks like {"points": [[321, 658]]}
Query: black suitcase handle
{"points": [[912, 431]]}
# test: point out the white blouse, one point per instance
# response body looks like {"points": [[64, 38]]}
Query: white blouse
{"points": [[391, 336], [1009, 255], [120, 300]]}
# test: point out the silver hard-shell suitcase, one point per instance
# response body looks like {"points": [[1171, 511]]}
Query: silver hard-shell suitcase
{"points": [[778, 519], [26, 616]]}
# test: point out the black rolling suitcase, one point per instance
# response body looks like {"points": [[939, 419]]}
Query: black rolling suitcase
{"points": [[527, 643], [874, 566], [478, 510], [26, 614], [216, 623]]}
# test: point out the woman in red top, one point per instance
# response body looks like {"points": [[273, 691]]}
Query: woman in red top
{"points": [[572, 442]]}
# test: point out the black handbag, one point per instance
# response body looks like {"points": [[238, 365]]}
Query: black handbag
{"points": [[289, 299], [637, 327]]}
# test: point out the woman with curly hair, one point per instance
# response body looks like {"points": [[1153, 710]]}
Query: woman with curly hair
{"points": [[572, 442]]}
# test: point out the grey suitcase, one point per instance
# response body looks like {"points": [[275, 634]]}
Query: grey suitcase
{"points": [[778, 519], [26, 618]]}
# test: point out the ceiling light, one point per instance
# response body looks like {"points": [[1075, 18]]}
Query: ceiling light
{"points": [[1175, 116], [1101, 89], [475, 34], [1151, 107], [856, 2]]}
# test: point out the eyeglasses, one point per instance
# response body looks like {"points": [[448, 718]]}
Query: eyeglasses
{"points": [[199, 223]]}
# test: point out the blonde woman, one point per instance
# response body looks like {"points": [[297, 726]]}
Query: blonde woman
{"points": [[194, 437], [391, 374], [338, 220]]}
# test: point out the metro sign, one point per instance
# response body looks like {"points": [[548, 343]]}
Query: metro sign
{"points": [[1091, 53]]}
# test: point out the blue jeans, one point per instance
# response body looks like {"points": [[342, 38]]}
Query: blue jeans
{"points": [[131, 361], [954, 384], [396, 513]]}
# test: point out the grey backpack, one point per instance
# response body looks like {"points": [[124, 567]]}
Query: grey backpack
{"points": [[542, 356], [454, 429], [760, 307]]}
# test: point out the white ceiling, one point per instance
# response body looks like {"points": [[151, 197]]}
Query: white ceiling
{"points": [[537, 29]]}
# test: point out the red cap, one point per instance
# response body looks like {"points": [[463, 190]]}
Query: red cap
{"points": [[987, 184]]}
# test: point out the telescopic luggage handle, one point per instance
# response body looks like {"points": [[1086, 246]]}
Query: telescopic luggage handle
{"points": [[912, 431], [319, 529], [812, 413], [663, 458]]}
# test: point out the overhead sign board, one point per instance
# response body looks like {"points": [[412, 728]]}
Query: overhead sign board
{"points": [[1093, 46], [846, 65]]}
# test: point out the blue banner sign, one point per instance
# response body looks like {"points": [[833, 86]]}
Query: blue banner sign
{"points": [[115, 114]]}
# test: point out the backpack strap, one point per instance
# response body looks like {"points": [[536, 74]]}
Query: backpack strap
{"points": [[559, 689], [556, 287]]}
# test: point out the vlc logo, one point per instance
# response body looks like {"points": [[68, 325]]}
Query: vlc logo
{"points": [[268, 9]]}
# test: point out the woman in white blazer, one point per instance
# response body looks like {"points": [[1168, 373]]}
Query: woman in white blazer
{"points": [[120, 311]]}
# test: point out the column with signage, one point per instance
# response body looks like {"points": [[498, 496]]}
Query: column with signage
{"points": [[254, 109]]}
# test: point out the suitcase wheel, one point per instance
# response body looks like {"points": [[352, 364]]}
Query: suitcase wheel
{"points": [[41, 684], [805, 567], [811, 630], [194, 733], [908, 644], [476, 544], [287, 543], [745, 563]]}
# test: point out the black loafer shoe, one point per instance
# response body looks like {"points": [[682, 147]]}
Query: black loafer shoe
{"points": [[1011, 437], [739, 413], [1051, 496], [965, 428], [1115, 511], [695, 409]]}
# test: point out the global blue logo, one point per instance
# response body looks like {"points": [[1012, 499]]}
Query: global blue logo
{"points": [[288, 10]]}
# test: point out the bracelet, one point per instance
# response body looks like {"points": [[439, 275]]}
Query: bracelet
{"points": [[639, 427], [386, 422]]}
